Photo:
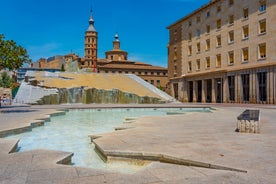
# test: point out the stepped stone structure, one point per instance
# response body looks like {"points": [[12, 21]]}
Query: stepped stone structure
{"points": [[62, 88]]}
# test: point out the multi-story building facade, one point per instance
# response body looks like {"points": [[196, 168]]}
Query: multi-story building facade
{"points": [[225, 51]]}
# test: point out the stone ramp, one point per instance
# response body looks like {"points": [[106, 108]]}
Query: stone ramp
{"points": [[151, 87], [48, 84], [28, 94]]}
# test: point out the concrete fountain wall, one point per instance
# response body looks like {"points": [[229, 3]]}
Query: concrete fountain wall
{"points": [[93, 95]]}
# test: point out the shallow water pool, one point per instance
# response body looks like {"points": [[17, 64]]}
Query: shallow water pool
{"points": [[71, 132]]}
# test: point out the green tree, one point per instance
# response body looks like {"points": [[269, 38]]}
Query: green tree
{"points": [[12, 56], [5, 80]]}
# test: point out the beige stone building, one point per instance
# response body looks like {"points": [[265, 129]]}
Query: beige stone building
{"points": [[225, 51], [116, 61]]}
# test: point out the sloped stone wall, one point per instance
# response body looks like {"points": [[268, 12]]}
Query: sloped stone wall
{"points": [[93, 95]]}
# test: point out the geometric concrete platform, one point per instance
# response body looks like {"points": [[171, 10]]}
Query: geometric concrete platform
{"points": [[202, 137]]}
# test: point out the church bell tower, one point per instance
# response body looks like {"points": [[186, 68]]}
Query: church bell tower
{"points": [[91, 45]]}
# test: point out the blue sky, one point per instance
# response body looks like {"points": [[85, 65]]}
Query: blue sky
{"points": [[56, 27]]}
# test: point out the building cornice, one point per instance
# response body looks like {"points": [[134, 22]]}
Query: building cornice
{"points": [[193, 13]]}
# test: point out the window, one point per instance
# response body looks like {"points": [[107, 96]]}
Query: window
{"points": [[198, 19], [231, 58], [231, 2], [245, 32], [262, 51], [198, 32], [152, 73], [231, 19], [198, 47], [190, 36], [231, 37], [208, 29], [164, 73], [126, 72], [245, 13], [207, 62], [262, 26], [106, 71], [189, 50], [219, 41], [262, 7], [190, 23], [207, 14], [152, 82], [146, 73], [158, 73], [218, 61], [245, 54], [198, 64], [158, 83], [218, 8], [189, 66], [139, 73], [218, 23], [207, 44]]}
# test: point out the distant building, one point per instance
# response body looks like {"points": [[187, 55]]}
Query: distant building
{"points": [[22, 71], [225, 51], [116, 60]]}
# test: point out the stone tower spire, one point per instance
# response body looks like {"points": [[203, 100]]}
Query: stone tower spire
{"points": [[116, 54], [91, 46], [116, 42], [91, 22]]}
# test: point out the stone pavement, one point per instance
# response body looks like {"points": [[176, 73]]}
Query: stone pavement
{"points": [[202, 137]]}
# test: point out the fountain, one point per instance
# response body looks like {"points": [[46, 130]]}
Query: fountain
{"points": [[62, 88]]}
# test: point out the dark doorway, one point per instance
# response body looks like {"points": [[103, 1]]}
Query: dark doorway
{"points": [[219, 90], [245, 87], [175, 90], [231, 86], [199, 91], [209, 91], [191, 96], [262, 79]]}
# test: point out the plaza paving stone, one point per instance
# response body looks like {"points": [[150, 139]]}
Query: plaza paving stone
{"points": [[203, 137]]}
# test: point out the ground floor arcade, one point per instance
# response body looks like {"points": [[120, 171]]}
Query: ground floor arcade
{"points": [[244, 86]]}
